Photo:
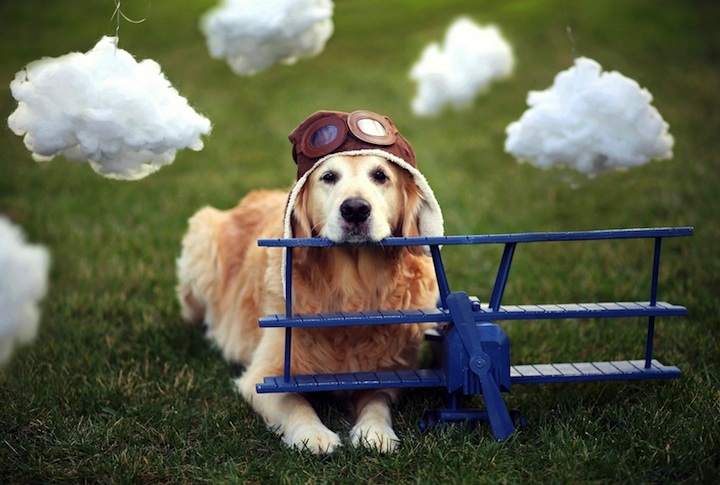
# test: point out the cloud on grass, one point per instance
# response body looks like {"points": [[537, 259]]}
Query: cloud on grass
{"points": [[252, 35], [103, 107], [453, 73], [590, 121], [23, 283]]}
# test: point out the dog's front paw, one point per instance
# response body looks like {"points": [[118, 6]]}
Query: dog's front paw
{"points": [[315, 438], [378, 436]]}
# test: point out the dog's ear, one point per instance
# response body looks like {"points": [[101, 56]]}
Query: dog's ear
{"points": [[410, 215], [300, 222]]}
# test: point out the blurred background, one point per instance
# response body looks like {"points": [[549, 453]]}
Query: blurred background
{"points": [[114, 369]]}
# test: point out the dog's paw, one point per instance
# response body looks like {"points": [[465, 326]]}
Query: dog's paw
{"points": [[315, 438], [379, 437]]}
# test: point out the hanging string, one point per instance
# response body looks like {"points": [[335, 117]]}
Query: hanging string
{"points": [[568, 29], [118, 14]]}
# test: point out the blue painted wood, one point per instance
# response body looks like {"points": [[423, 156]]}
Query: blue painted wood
{"points": [[582, 310], [505, 312], [590, 371], [429, 315], [477, 362], [484, 366], [354, 381], [519, 374], [502, 275], [639, 233]]}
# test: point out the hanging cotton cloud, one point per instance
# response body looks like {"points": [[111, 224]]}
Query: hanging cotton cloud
{"points": [[23, 283], [470, 58], [122, 116], [590, 121], [255, 34]]}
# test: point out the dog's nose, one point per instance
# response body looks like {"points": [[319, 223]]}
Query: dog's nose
{"points": [[355, 210]]}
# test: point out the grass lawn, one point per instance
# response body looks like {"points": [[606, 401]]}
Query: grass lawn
{"points": [[116, 389]]}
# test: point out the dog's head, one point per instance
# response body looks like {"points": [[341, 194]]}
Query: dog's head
{"points": [[357, 199]]}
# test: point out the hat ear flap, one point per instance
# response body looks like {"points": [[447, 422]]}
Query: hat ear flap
{"points": [[301, 223], [412, 211]]}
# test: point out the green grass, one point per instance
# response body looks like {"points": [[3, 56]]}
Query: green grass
{"points": [[116, 389]]}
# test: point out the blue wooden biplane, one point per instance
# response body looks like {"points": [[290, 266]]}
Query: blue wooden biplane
{"points": [[473, 351]]}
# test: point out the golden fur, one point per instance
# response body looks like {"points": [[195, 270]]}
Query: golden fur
{"points": [[227, 282]]}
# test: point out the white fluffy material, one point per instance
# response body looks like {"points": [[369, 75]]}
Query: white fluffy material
{"points": [[255, 34], [121, 116], [590, 121], [454, 73], [23, 283]]}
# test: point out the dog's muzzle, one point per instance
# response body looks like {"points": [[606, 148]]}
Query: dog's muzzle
{"points": [[356, 227], [355, 210]]}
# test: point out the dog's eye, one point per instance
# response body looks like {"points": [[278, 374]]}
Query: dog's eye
{"points": [[379, 176], [329, 177]]}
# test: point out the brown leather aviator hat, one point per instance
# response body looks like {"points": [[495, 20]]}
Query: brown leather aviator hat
{"points": [[326, 134]]}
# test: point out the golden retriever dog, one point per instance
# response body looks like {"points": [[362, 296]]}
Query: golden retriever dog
{"points": [[356, 192]]}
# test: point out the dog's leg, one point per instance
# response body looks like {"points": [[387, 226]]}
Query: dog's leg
{"points": [[289, 415], [373, 428]]}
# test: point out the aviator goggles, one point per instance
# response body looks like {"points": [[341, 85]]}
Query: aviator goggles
{"points": [[326, 134]]}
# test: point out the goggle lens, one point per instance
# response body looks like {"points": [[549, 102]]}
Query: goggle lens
{"points": [[371, 127], [323, 136]]}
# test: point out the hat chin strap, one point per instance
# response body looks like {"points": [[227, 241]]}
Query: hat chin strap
{"points": [[430, 217]]}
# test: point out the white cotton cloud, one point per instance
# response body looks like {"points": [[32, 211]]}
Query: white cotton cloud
{"points": [[23, 282], [470, 58], [122, 116], [255, 34], [590, 121]]}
